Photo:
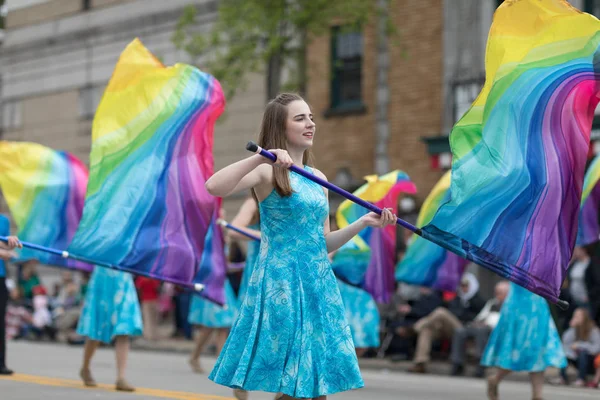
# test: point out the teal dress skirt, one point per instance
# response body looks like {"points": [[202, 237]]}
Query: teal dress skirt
{"points": [[292, 335], [525, 338], [362, 315], [211, 315], [361, 310], [111, 307], [251, 257]]}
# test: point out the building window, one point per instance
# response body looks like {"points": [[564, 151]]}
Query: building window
{"points": [[346, 69], [89, 98], [592, 7], [11, 115]]}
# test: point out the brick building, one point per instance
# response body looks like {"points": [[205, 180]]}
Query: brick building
{"points": [[382, 106]]}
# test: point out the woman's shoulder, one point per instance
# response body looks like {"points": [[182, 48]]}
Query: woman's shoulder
{"points": [[317, 172]]}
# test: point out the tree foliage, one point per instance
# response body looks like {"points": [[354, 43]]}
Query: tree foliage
{"points": [[266, 35]]}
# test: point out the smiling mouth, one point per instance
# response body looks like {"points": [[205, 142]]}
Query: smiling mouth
{"points": [[308, 134]]}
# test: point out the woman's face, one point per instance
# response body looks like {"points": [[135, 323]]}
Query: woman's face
{"points": [[300, 127]]}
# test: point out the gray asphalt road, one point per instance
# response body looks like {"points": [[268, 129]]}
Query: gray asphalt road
{"points": [[48, 371]]}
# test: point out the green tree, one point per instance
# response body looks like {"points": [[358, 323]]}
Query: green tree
{"points": [[1, 14], [268, 35]]}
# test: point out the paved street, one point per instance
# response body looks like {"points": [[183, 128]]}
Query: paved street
{"points": [[49, 371]]}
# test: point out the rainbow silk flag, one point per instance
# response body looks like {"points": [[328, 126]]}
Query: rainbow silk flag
{"points": [[425, 263], [45, 191], [589, 228], [213, 263], [146, 206], [519, 153], [367, 260]]}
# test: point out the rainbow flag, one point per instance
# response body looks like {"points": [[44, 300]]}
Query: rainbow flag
{"points": [[146, 206], [426, 263], [589, 228], [519, 153], [213, 263], [45, 191], [372, 251]]}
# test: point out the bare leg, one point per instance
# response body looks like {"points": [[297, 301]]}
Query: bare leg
{"points": [[201, 338], [494, 381], [88, 353], [150, 319], [121, 352], [537, 384], [360, 352], [222, 334]]}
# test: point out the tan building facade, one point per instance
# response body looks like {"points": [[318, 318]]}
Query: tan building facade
{"points": [[58, 55]]}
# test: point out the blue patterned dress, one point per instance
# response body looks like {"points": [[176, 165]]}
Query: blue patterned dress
{"points": [[211, 315], [525, 338], [292, 335], [111, 307], [361, 310], [251, 256]]}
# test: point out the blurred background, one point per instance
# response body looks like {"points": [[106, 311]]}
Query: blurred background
{"points": [[386, 79]]}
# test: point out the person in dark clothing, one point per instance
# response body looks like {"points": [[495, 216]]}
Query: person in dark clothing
{"points": [[563, 317], [592, 281], [443, 322], [479, 329], [409, 313], [5, 254], [402, 316]]}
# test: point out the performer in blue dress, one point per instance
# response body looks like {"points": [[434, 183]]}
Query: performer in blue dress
{"points": [[111, 311], [525, 339], [291, 335], [211, 318], [247, 219], [207, 316], [361, 310]]}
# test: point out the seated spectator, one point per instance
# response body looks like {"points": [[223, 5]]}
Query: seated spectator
{"points": [[562, 317], [67, 308], [18, 319], [443, 322], [478, 329], [576, 274], [410, 312], [596, 381], [581, 343], [42, 319], [28, 279], [401, 316]]}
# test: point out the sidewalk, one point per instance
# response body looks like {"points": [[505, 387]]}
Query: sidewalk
{"points": [[185, 347]]}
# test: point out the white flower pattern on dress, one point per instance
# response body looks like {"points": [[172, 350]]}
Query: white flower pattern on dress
{"points": [[111, 307], [206, 313], [525, 338], [291, 335]]}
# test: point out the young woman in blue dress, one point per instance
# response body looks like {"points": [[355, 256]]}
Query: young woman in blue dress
{"points": [[291, 336]]}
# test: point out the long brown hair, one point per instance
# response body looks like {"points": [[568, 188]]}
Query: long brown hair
{"points": [[583, 330], [272, 136]]}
